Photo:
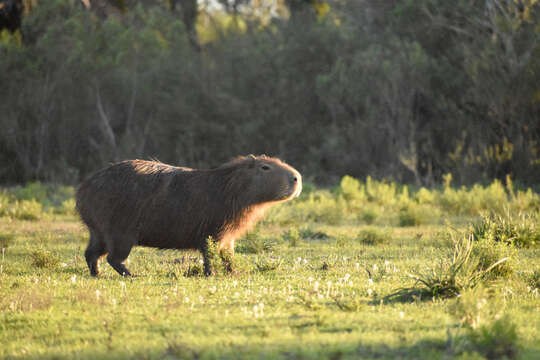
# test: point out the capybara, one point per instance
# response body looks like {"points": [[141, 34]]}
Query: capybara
{"points": [[148, 203]]}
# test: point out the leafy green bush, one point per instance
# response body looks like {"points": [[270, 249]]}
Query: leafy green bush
{"points": [[414, 214], [66, 208], [253, 243], [43, 259], [369, 215], [487, 252], [521, 230], [292, 236], [374, 236], [25, 210]]}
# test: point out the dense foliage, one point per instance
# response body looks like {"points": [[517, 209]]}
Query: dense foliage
{"points": [[408, 90]]}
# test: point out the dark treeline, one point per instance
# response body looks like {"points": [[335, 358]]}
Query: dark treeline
{"points": [[407, 90]]}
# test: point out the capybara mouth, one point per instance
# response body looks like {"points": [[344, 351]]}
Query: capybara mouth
{"points": [[293, 192]]}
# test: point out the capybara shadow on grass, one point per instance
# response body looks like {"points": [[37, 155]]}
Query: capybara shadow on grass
{"points": [[148, 203]]}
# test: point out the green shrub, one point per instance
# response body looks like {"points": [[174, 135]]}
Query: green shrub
{"points": [[31, 191], [521, 230], [43, 259], [253, 243], [380, 192], [352, 190], [292, 236], [487, 252], [414, 214], [369, 215], [25, 210], [374, 236], [66, 208]]}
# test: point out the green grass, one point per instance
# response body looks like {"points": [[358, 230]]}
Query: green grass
{"points": [[306, 285]]}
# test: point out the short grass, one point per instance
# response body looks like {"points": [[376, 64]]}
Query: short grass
{"points": [[320, 291]]}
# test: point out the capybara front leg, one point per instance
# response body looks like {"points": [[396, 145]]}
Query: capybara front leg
{"points": [[118, 266], [117, 254]]}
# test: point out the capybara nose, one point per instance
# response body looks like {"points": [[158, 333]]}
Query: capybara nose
{"points": [[293, 179]]}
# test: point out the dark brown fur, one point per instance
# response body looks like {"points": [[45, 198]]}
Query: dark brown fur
{"points": [[149, 203]]}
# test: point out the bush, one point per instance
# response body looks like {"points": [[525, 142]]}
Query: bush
{"points": [[292, 236], [374, 236], [25, 210], [369, 215], [414, 214], [521, 230], [253, 243], [43, 259], [487, 252]]}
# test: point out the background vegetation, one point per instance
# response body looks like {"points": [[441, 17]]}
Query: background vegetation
{"points": [[406, 90]]}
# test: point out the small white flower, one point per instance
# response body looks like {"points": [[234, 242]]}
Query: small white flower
{"points": [[346, 277], [369, 291], [401, 315], [74, 279], [63, 264], [98, 293], [113, 301], [316, 286], [186, 300], [370, 281]]}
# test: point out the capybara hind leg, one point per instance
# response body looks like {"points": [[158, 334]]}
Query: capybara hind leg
{"points": [[96, 249], [117, 254]]}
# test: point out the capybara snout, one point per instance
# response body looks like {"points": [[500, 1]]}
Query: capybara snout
{"points": [[149, 203]]}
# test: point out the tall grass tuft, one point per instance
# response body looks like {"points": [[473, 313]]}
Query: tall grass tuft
{"points": [[44, 259], [466, 267], [521, 230]]}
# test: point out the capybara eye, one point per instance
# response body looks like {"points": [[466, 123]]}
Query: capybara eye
{"points": [[265, 167]]}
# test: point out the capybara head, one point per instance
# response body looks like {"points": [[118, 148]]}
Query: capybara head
{"points": [[265, 180]]}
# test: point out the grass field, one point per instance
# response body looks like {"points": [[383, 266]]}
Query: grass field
{"points": [[366, 270]]}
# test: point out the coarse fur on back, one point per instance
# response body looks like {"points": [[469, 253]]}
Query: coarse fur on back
{"points": [[149, 203]]}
